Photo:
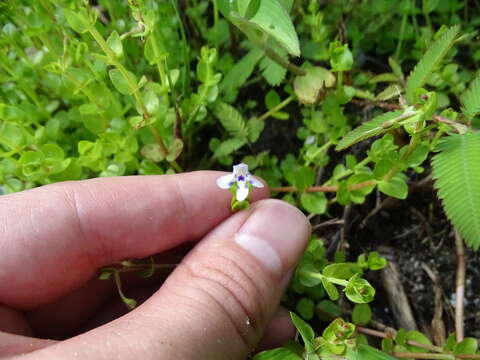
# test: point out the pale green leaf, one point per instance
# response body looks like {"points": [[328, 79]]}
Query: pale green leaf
{"points": [[456, 170], [434, 55], [231, 120], [125, 84], [229, 146], [471, 99], [272, 72], [241, 71], [374, 127]]}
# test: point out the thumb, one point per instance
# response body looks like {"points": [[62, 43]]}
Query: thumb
{"points": [[218, 301], [224, 293]]}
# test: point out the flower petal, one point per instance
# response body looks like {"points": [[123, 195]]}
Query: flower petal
{"points": [[242, 191], [255, 182], [224, 182]]}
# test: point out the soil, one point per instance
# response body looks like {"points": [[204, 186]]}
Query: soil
{"points": [[417, 232]]}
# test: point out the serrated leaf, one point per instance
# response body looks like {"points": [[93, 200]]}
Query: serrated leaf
{"points": [[456, 170], [241, 71], [231, 120], [471, 99], [374, 127], [434, 55], [272, 72], [229, 146]]}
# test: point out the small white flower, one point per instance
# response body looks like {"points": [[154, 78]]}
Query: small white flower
{"points": [[242, 177]]}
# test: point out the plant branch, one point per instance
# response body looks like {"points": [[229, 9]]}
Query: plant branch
{"points": [[276, 108], [460, 292]]}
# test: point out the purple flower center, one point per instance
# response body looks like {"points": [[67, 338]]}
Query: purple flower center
{"points": [[241, 178]]}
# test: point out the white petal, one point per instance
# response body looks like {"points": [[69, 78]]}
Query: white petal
{"points": [[255, 182], [242, 191], [225, 181], [240, 170]]}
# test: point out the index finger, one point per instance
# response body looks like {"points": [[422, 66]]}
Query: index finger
{"points": [[54, 238]]}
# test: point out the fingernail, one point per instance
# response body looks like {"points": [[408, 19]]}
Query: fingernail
{"points": [[276, 234]]}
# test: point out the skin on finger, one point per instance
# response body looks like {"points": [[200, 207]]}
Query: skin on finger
{"points": [[54, 238], [67, 316], [14, 322], [218, 301], [11, 344]]}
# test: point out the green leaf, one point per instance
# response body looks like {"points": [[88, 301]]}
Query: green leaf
{"points": [[432, 57], [341, 59], [229, 146], [456, 170], [241, 71], [175, 149], [468, 346], [153, 152], [376, 126], [418, 337], [396, 187], [126, 85], [331, 289], [315, 203], [255, 128], [231, 120], [375, 262], [471, 99], [305, 330], [361, 314], [310, 87], [277, 354], [115, 43], [78, 20], [359, 290], [272, 19], [366, 352], [327, 310], [272, 72], [305, 308], [340, 270]]}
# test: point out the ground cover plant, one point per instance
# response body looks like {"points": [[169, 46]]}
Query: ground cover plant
{"points": [[362, 113]]}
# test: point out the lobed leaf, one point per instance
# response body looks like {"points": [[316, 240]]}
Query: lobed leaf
{"points": [[456, 170], [432, 57]]}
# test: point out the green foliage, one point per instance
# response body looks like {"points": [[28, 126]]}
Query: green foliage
{"points": [[148, 87], [457, 177], [432, 58], [471, 99]]}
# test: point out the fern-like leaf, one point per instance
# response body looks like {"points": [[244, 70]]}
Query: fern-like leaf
{"points": [[471, 99], [272, 72], [376, 126], [231, 120], [241, 71], [432, 57], [456, 170]]}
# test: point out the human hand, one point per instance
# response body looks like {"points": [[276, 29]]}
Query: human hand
{"points": [[216, 304]]}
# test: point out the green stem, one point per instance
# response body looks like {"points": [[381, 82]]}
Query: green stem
{"points": [[402, 34], [185, 49], [112, 57], [276, 108], [129, 302], [340, 83], [412, 355], [215, 23]]}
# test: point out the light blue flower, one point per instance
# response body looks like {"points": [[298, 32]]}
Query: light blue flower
{"points": [[242, 177]]}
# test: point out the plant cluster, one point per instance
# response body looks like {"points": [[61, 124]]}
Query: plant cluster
{"points": [[326, 102]]}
